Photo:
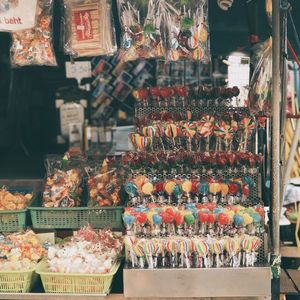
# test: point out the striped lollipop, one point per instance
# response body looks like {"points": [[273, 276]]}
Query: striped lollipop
{"points": [[171, 132], [247, 126]]}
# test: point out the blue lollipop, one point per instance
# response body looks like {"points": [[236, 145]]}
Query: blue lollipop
{"points": [[128, 219], [203, 189], [238, 220], [131, 189], [157, 219], [217, 211]]}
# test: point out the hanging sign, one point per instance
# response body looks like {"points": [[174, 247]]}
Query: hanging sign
{"points": [[17, 14]]}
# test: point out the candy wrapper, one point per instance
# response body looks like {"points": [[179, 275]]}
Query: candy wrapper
{"points": [[34, 46], [63, 183], [89, 28], [104, 187], [260, 93], [141, 24], [88, 252], [13, 201], [20, 251], [187, 29]]}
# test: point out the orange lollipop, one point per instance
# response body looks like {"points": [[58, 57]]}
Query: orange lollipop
{"points": [[140, 181]]}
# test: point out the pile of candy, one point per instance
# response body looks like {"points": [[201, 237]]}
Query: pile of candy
{"points": [[63, 189], [190, 220], [194, 96], [13, 201], [20, 251], [208, 133], [34, 46], [192, 252], [88, 252], [143, 189], [184, 162], [104, 189]]}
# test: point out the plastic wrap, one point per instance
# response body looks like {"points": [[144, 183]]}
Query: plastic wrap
{"points": [[269, 10], [187, 29], [260, 93], [141, 29], [34, 46], [104, 187], [89, 28], [63, 187]]}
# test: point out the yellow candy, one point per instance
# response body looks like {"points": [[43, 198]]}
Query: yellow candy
{"points": [[215, 188], [187, 186], [147, 188], [247, 219], [140, 181], [169, 187], [224, 189]]}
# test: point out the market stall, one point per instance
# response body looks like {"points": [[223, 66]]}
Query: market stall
{"points": [[184, 195]]}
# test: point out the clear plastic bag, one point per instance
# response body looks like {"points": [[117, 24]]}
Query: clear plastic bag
{"points": [[89, 29], [104, 187], [260, 93], [63, 186], [34, 46], [141, 25], [187, 29]]}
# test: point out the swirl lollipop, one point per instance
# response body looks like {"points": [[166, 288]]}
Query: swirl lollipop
{"points": [[189, 131], [246, 245], [219, 132], [149, 249], [247, 126], [171, 247], [171, 132], [129, 241], [206, 128], [256, 243], [217, 249], [128, 221], [159, 133], [138, 249], [131, 190], [233, 248], [228, 136]]}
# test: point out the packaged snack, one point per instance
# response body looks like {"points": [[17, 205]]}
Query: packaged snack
{"points": [[88, 252], [260, 92], [34, 46], [13, 201], [89, 28], [20, 251], [187, 29], [141, 25], [63, 184], [104, 187]]}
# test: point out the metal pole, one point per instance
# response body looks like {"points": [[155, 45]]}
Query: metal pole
{"points": [[276, 182]]}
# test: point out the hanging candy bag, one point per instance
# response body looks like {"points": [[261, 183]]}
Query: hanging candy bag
{"points": [[259, 99], [187, 29], [88, 28], [34, 46], [141, 25]]}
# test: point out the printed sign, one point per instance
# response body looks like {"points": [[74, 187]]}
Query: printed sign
{"points": [[78, 70], [17, 14]]}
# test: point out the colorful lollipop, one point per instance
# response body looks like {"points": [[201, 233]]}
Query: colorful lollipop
{"points": [[171, 132]]}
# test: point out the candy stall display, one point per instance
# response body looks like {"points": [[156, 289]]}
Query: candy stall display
{"points": [[19, 254], [84, 264], [193, 187]]}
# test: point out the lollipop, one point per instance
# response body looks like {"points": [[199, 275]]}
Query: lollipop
{"points": [[128, 220], [157, 220], [184, 249], [179, 219], [214, 188], [206, 128], [141, 219], [223, 220], [228, 136], [160, 132], [131, 190], [140, 180], [247, 126], [203, 218], [148, 189], [138, 249], [233, 247], [149, 131], [189, 131], [169, 188], [217, 249], [129, 241], [189, 220], [149, 249], [202, 249], [246, 244], [186, 187], [219, 132], [203, 189], [177, 192], [224, 191], [256, 243], [171, 247], [171, 132]]}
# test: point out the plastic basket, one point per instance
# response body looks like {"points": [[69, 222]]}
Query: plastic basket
{"points": [[76, 217], [70, 283], [19, 281], [14, 220]]}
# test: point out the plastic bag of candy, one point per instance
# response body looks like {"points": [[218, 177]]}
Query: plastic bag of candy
{"points": [[88, 28], [63, 186], [187, 29], [260, 93], [34, 46], [141, 25], [104, 186]]}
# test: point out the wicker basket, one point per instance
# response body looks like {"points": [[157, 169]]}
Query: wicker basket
{"points": [[19, 281], [75, 217], [61, 283]]}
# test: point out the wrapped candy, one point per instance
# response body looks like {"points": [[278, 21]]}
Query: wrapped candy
{"points": [[20, 251], [35, 46], [187, 29], [88, 252], [13, 201], [88, 28], [104, 187]]}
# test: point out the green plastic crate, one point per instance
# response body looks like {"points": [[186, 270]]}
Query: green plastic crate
{"points": [[75, 217], [14, 220]]}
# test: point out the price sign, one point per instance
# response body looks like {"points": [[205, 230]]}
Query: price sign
{"points": [[78, 70]]}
